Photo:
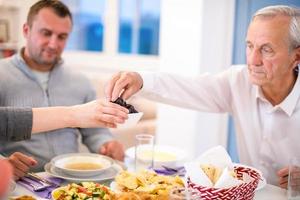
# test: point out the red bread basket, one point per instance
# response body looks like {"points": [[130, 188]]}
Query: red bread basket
{"points": [[243, 191]]}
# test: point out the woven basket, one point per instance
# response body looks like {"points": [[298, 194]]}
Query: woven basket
{"points": [[243, 191]]}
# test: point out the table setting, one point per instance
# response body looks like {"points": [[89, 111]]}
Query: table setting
{"points": [[67, 168], [169, 175]]}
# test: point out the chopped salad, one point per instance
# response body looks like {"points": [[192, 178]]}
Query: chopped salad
{"points": [[83, 191]]}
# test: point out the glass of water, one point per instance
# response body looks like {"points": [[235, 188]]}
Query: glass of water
{"points": [[144, 152]]}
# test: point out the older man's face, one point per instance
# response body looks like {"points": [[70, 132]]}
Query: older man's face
{"points": [[268, 57]]}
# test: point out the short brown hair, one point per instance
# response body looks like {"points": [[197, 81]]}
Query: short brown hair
{"points": [[57, 6]]}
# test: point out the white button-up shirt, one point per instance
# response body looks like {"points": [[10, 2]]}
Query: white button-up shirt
{"points": [[267, 135]]}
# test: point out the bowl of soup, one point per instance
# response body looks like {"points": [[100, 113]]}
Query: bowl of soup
{"points": [[82, 164]]}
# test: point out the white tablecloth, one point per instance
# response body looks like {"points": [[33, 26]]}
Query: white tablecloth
{"points": [[269, 192]]}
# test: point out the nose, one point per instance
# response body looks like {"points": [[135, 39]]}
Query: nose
{"points": [[53, 42], [254, 57]]}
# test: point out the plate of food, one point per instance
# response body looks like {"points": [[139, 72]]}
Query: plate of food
{"points": [[82, 164], [24, 197], [144, 184], [83, 190], [163, 155]]}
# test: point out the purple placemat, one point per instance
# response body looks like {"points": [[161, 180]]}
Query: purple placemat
{"points": [[46, 193]]}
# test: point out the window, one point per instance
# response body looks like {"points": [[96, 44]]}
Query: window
{"points": [[88, 26], [139, 26], [137, 29]]}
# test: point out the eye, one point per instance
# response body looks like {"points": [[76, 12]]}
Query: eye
{"points": [[267, 50], [63, 37], [249, 47], [46, 33]]}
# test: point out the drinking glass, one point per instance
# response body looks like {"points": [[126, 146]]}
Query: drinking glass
{"points": [[144, 151], [294, 179], [184, 194]]}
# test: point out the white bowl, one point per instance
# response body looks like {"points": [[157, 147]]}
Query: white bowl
{"points": [[82, 164], [163, 155], [133, 119]]}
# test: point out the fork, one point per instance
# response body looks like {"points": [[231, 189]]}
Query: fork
{"points": [[36, 188], [175, 170], [39, 179]]}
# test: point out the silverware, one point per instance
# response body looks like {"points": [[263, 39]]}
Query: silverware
{"points": [[174, 169], [36, 188], [42, 180], [170, 168], [171, 171]]}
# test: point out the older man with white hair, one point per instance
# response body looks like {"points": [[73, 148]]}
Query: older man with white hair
{"points": [[263, 96]]}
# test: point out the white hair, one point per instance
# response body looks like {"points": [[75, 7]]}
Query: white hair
{"points": [[292, 12]]}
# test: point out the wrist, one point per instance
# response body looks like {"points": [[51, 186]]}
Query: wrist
{"points": [[70, 116]]}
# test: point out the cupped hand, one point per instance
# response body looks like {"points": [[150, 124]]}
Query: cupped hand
{"points": [[99, 114]]}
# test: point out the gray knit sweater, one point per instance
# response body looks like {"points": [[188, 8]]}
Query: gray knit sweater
{"points": [[15, 123], [20, 88]]}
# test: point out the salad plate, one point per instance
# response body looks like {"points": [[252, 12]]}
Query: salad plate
{"points": [[84, 190]]}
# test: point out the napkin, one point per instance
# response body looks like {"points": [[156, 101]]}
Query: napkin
{"points": [[196, 174], [217, 157], [227, 181], [170, 171], [44, 193]]}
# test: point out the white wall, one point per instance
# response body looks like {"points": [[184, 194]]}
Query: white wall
{"points": [[16, 12], [195, 37]]}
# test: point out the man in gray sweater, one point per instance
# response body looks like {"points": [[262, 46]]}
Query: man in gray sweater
{"points": [[36, 77]]}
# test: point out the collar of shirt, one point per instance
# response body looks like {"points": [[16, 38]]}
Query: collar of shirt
{"points": [[289, 104], [19, 61]]}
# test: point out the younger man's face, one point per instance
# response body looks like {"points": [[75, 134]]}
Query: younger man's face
{"points": [[47, 37]]}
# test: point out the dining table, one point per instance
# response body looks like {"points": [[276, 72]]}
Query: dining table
{"points": [[268, 192]]}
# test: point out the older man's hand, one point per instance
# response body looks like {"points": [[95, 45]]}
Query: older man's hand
{"points": [[283, 175], [124, 85], [113, 149], [21, 164]]}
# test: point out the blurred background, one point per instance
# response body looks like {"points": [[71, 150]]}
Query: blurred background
{"points": [[187, 37]]}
